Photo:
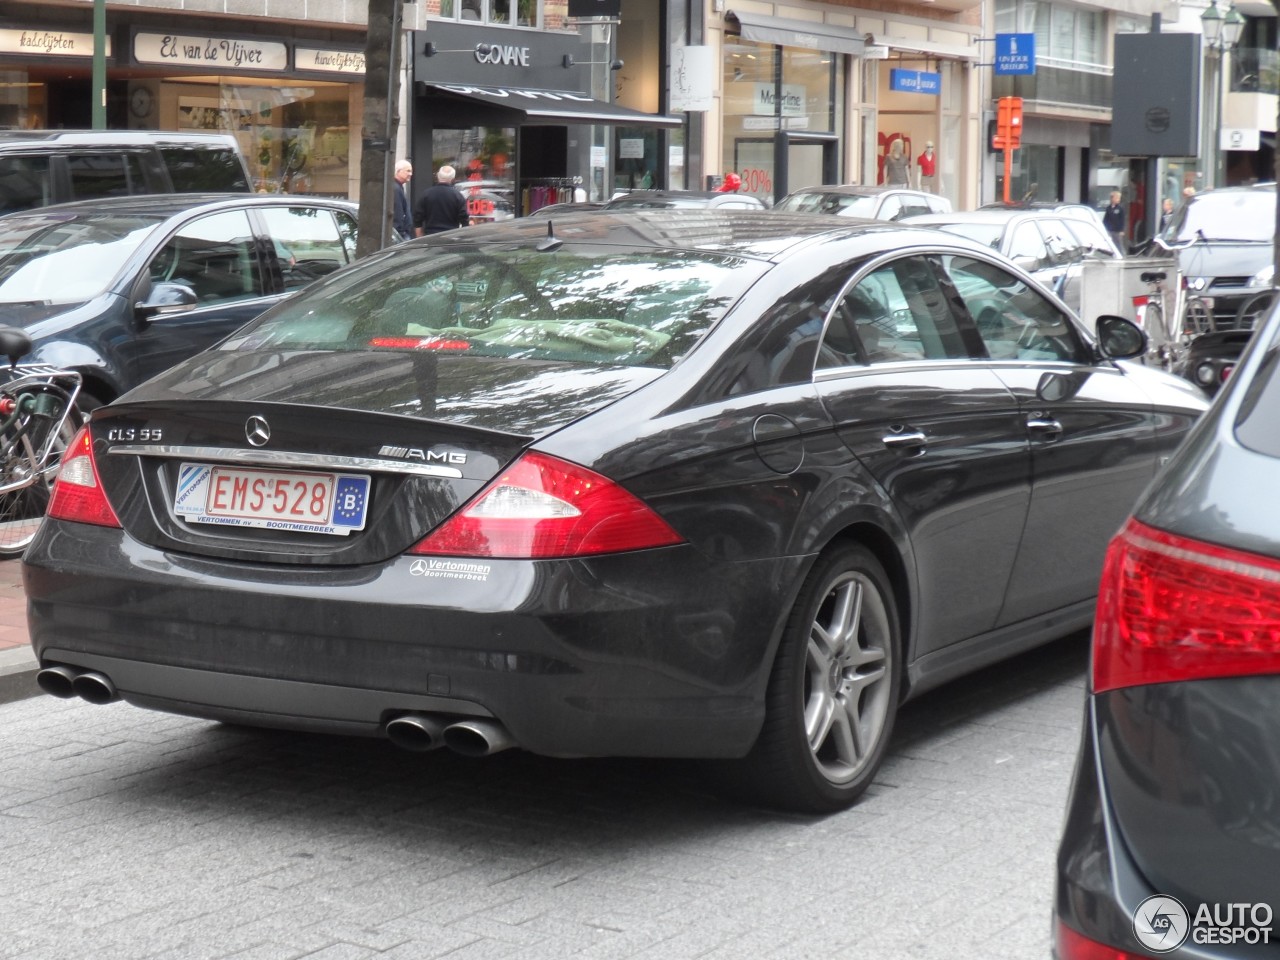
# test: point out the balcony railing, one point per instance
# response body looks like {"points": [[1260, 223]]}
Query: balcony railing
{"points": [[1050, 84], [1255, 70]]}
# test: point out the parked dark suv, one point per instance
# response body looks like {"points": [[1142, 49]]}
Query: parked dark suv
{"points": [[40, 167], [123, 288]]}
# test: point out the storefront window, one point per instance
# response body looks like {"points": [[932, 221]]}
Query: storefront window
{"points": [[485, 160], [767, 89], [295, 137]]}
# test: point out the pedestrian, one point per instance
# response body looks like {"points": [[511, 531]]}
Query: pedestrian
{"points": [[441, 207], [403, 221], [1113, 222], [928, 165], [895, 165], [732, 183], [1166, 214]]}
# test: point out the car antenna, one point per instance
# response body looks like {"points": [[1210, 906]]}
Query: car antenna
{"points": [[550, 241]]}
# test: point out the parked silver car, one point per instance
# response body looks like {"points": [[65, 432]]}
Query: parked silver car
{"points": [[874, 203], [1051, 245]]}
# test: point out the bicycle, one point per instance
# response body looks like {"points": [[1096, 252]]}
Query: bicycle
{"points": [[38, 420], [1164, 347]]}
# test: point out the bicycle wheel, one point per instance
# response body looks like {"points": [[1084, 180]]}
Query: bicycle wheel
{"points": [[1254, 309], [22, 509], [1197, 318], [1159, 349]]}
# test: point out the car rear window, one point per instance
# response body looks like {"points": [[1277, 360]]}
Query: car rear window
{"points": [[204, 169], [844, 204], [1258, 421], [587, 304]]}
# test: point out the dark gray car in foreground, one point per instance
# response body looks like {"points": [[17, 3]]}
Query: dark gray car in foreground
{"points": [[664, 483], [1173, 827]]}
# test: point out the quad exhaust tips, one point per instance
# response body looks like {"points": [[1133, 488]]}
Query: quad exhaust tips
{"points": [[416, 731], [471, 738], [68, 682]]}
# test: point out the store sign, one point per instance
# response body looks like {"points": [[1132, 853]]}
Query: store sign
{"points": [[773, 123], [314, 60], [915, 81], [692, 79], [1237, 138], [1015, 54], [49, 43], [178, 50], [794, 96]]}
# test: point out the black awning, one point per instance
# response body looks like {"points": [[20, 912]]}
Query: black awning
{"points": [[799, 33], [512, 106]]}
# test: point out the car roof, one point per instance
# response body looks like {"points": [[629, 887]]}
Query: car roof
{"points": [[127, 138], [170, 204], [987, 215], [854, 189], [759, 234]]}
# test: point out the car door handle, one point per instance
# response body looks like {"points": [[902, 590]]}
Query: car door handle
{"points": [[1046, 428], [896, 441]]}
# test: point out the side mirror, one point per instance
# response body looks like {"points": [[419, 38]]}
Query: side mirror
{"points": [[1120, 338], [14, 344], [166, 298]]}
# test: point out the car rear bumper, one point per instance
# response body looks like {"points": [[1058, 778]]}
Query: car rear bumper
{"points": [[656, 653], [1170, 798]]}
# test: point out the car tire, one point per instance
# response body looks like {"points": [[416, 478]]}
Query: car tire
{"points": [[834, 689]]}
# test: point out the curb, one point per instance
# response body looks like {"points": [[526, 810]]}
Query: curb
{"points": [[18, 674]]}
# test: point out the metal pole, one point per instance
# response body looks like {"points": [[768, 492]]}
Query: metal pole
{"points": [[99, 91], [1219, 173]]}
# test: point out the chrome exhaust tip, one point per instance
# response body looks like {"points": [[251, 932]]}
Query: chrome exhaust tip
{"points": [[95, 688], [477, 738], [415, 731], [57, 681]]}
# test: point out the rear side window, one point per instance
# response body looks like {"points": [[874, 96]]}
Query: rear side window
{"points": [[105, 175], [204, 169], [306, 242], [1258, 422], [24, 183]]}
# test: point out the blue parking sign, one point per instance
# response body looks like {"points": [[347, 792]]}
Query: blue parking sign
{"points": [[1015, 54]]}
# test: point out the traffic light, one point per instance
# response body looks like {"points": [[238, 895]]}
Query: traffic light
{"points": [[1008, 124]]}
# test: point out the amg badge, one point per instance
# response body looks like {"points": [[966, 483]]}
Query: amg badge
{"points": [[423, 456]]}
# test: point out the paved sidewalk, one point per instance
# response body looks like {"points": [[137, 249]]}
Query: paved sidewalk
{"points": [[17, 663]]}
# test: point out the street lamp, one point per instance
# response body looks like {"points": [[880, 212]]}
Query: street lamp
{"points": [[1221, 34]]}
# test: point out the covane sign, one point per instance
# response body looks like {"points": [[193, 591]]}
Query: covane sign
{"points": [[502, 55]]}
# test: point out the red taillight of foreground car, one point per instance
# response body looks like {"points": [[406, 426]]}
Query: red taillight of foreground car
{"points": [[544, 507], [1170, 608], [77, 493], [1069, 945]]}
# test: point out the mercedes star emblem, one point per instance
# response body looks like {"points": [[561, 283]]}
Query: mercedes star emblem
{"points": [[257, 431]]}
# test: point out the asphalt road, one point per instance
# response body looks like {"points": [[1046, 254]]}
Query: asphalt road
{"points": [[129, 834]]}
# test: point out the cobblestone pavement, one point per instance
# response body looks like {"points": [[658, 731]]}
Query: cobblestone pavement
{"points": [[130, 834]]}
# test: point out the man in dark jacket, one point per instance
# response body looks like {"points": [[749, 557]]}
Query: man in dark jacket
{"points": [[1113, 221], [404, 211], [441, 207]]}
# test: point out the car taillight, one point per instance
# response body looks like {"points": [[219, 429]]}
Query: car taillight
{"points": [[1069, 945], [77, 493], [543, 507], [421, 343], [1170, 608]]}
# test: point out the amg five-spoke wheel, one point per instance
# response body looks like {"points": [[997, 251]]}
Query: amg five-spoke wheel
{"points": [[847, 698], [833, 693]]}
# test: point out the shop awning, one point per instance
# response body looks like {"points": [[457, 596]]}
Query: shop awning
{"points": [[798, 33], [944, 51], [512, 106]]}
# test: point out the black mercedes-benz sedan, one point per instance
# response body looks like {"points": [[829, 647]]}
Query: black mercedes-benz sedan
{"points": [[1173, 823], [702, 484]]}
